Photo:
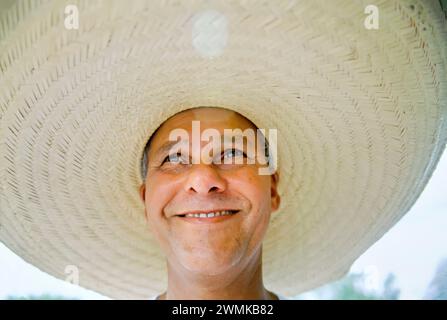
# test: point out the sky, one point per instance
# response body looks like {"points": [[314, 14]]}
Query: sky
{"points": [[411, 250], [417, 244]]}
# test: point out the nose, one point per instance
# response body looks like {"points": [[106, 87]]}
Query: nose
{"points": [[204, 179]]}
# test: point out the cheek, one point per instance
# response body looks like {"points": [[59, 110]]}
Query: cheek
{"points": [[160, 190], [254, 187], [258, 220]]}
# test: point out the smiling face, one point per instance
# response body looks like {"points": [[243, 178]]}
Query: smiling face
{"points": [[175, 188]]}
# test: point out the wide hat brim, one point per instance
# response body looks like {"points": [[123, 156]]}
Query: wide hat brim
{"points": [[361, 120]]}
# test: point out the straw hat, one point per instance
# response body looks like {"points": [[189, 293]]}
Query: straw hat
{"points": [[360, 113]]}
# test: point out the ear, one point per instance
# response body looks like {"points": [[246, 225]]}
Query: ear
{"points": [[143, 192], [275, 198], [143, 197]]}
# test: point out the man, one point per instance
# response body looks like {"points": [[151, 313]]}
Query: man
{"points": [[361, 123], [209, 257]]}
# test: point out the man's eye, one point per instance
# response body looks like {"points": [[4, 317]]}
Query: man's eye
{"points": [[233, 153], [173, 158]]}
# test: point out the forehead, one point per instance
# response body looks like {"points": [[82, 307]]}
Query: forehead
{"points": [[209, 117]]}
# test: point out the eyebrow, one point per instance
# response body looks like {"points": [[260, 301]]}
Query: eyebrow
{"points": [[166, 147]]}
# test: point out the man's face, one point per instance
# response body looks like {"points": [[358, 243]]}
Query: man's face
{"points": [[175, 187]]}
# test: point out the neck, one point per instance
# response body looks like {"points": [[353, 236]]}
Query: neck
{"points": [[239, 283]]}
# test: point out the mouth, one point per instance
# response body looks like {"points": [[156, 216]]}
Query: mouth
{"points": [[208, 216]]}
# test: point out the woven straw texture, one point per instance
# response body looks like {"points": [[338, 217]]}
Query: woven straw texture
{"points": [[361, 119]]}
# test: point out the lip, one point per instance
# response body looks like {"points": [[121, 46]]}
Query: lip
{"points": [[208, 220]]}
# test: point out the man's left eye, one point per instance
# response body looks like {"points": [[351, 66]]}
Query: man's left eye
{"points": [[233, 153]]}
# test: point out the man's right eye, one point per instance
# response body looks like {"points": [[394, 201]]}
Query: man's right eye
{"points": [[173, 158]]}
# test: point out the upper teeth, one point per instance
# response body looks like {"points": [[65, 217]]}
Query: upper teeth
{"points": [[209, 215]]}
